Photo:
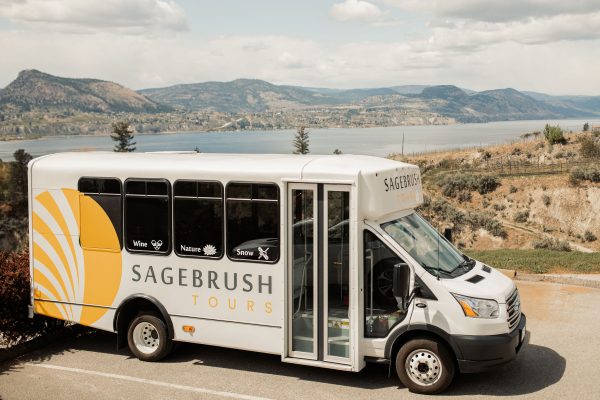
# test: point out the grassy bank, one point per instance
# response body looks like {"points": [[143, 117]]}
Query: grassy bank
{"points": [[540, 261]]}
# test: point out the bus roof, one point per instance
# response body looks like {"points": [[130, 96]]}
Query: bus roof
{"points": [[276, 166]]}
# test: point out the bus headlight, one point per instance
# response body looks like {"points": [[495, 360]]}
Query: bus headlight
{"points": [[477, 308]]}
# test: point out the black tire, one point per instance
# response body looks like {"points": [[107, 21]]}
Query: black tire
{"points": [[431, 366], [150, 342]]}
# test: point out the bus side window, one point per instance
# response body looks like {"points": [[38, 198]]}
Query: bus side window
{"points": [[198, 218], [253, 221], [148, 216], [106, 193]]}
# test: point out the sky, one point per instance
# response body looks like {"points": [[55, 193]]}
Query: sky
{"points": [[549, 46]]}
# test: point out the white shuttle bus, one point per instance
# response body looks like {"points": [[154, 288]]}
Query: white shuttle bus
{"points": [[319, 259]]}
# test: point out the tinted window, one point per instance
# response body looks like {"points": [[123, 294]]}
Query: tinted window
{"points": [[253, 222], [106, 192], [239, 191], [198, 218], [147, 216]]}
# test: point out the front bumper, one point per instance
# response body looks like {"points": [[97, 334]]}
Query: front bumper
{"points": [[480, 353]]}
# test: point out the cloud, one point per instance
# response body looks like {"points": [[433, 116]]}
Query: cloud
{"points": [[498, 10], [90, 16], [469, 36], [470, 25], [479, 60], [359, 10]]}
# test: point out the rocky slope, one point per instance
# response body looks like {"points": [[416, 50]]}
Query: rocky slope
{"points": [[36, 91]]}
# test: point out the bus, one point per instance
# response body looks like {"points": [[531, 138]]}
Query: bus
{"points": [[319, 259]]}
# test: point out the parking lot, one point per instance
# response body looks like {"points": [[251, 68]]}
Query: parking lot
{"points": [[560, 361]]}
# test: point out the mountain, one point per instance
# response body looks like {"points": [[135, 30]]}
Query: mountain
{"points": [[582, 104], [497, 105], [251, 95], [36, 91], [240, 95]]}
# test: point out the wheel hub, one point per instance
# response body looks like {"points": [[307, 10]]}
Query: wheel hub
{"points": [[146, 338], [423, 367]]}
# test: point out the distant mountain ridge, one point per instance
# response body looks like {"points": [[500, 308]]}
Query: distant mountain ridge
{"points": [[240, 95], [251, 95], [37, 91], [33, 90]]}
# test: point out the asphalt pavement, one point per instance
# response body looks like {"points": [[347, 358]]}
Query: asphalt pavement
{"points": [[560, 361]]}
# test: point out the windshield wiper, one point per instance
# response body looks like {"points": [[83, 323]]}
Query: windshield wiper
{"points": [[437, 271], [467, 263]]}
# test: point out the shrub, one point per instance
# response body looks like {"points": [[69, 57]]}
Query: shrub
{"points": [[521, 216], [546, 200], [452, 186], [589, 237], [464, 197], [552, 244], [455, 184], [588, 148], [554, 135], [513, 189], [487, 184], [499, 207], [495, 227], [14, 299], [591, 173], [576, 176]]}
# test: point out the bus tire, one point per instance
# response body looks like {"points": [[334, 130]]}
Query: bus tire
{"points": [[425, 366], [148, 338]]}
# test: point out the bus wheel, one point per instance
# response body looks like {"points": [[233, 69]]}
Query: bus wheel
{"points": [[148, 338], [425, 366]]}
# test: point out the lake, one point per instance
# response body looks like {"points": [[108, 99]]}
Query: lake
{"points": [[371, 141]]}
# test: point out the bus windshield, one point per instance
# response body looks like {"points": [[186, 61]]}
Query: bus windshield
{"points": [[438, 256]]}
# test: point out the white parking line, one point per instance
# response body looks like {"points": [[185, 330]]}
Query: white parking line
{"points": [[149, 382]]}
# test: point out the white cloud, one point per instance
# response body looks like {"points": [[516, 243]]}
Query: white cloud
{"points": [[470, 25], [498, 10], [469, 36], [562, 67], [123, 16], [358, 10]]}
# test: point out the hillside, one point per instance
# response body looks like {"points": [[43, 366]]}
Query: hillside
{"points": [[240, 95], [36, 91], [527, 207], [463, 105]]}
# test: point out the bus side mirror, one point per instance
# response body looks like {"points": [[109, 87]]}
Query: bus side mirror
{"points": [[401, 284]]}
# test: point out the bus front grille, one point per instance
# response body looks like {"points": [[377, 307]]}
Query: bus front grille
{"points": [[513, 306]]}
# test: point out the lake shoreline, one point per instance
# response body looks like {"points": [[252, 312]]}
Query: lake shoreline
{"points": [[163, 133], [378, 141]]}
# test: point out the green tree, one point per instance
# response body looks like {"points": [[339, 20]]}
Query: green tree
{"points": [[554, 134], [301, 141], [586, 127], [123, 136], [18, 180]]}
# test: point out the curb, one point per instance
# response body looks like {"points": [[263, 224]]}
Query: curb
{"points": [[511, 273], [39, 342], [565, 280]]}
